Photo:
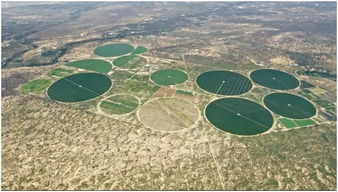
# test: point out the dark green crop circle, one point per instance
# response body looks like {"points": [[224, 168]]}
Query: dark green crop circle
{"points": [[224, 82], [97, 65], [289, 105], [274, 79], [239, 116], [79, 87], [113, 50]]}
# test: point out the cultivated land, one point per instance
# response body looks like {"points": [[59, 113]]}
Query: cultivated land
{"points": [[97, 65], [224, 82], [113, 50], [79, 87], [167, 77], [274, 79], [139, 50], [130, 62], [36, 86], [305, 84], [168, 114], [168, 141], [60, 72], [288, 123], [119, 104], [239, 116], [184, 92], [289, 105]]}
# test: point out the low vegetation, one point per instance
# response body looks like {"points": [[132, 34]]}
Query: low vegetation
{"points": [[36, 86]]}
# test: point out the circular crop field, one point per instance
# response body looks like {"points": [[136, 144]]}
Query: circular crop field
{"points": [[224, 82], [274, 79], [130, 61], [239, 116], [113, 50], [119, 104], [167, 77], [97, 65], [168, 114], [139, 50], [289, 105], [79, 87]]}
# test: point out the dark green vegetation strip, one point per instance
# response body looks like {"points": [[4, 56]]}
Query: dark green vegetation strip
{"points": [[274, 79], [139, 50], [167, 77], [97, 65], [305, 85], [239, 116], [36, 86], [304, 122], [79, 87], [113, 50], [289, 105], [288, 123], [60, 72], [130, 61], [326, 104], [184, 92], [119, 104], [317, 74], [224, 82]]}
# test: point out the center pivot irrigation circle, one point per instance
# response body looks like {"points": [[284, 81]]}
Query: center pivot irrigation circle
{"points": [[224, 82], [168, 114], [113, 50], [79, 87], [289, 105], [239, 116], [130, 61], [97, 65], [274, 79], [167, 77], [119, 104]]}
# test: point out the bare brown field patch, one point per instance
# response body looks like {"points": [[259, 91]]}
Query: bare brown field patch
{"points": [[186, 97], [168, 114], [165, 92]]}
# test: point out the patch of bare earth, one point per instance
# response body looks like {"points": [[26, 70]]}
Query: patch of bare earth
{"points": [[186, 97], [165, 92], [281, 60], [168, 114]]}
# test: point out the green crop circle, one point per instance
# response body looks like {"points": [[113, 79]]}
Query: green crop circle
{"points": [[289, 105], [79, 87], [239, 116], [224, 82], [97, 65], [167, 77], [113, 50], [274, 79]]}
